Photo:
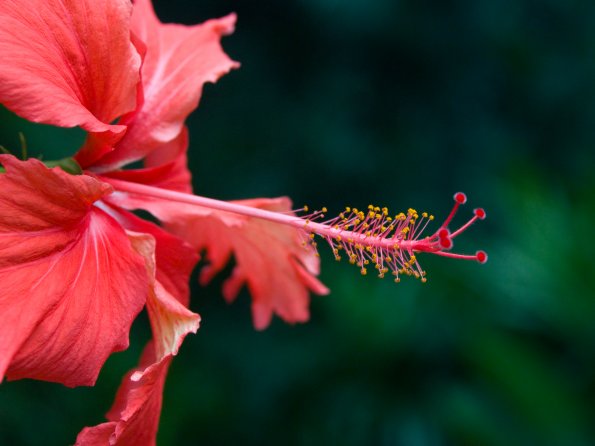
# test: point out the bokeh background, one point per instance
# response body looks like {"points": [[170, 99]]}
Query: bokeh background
{"points": [[398, 103]]}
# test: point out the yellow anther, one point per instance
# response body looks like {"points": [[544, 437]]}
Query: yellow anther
{"points": [[306, 208], [424, 280], [366, 262], [389, 259], [311, 236], [424, 215], [370, 207], [397, 280], [324, 209], [364, 271], [412, 259], [338, 238], [431, 217], [347, 209]]}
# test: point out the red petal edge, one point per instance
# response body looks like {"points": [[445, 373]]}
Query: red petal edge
{"points": [[134, 417]]}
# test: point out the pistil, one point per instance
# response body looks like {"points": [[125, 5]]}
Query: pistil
{"points": [[370, 238]]}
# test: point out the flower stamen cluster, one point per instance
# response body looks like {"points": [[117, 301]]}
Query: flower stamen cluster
{"points": [[388, 242]]}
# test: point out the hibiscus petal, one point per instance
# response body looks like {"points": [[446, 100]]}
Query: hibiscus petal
{"points": [[169, 261], [174, 258], [178, 61], [68, 62], [134, 417], [170, 320], [166, 167], [72, 282], [98, 144], [270, 258]]}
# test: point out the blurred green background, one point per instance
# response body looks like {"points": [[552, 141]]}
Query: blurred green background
{"points": [[398, 103]]}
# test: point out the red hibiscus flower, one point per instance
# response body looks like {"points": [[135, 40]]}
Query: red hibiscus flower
{"points": [[77, 266]]}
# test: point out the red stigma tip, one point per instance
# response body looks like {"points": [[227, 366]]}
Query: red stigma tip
{"points": [[481, 256], [460, 198], [445, 243], [443, 233], [480, 213]]}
